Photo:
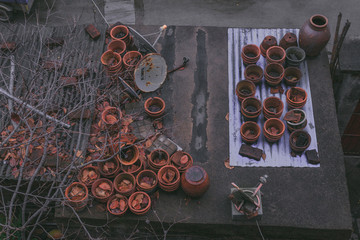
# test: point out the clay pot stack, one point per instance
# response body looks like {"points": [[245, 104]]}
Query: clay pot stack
{"points": [[146, 181], [273, 129], [195, 181], [128, 155], [139, 203], [118, 46], [299, 141], [131, 59], [181, 160], [273, 107], [269, 41], [274, 73], [169, 178], [250, 132], [275, 54], [121, 32], [117, 205], [294, 56], [250, 54], [251, 108], [102, 189], [245, 89], [88, 174], [112, 62], [124, 184], [288, 40], [154, 107], [254, 73], [292, 76], [109, 168], [77, 195], [300, 124], [296, 97], [158, 158]]}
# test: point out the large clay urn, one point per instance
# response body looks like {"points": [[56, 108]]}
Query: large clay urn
{"points": [[314, 35]]}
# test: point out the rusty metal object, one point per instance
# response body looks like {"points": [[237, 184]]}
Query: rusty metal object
{"points": [[92, 31], [185, 61]]}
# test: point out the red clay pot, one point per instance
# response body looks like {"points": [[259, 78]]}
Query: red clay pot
{"points": [[268, 42], [110, 173], [143, 210], [107, 59], [288, 40], [131, 59], [292, 76], [245, 89], [129, 169], [118, 197], [292, 126], [124, 176], [79, 203], [118, 46], [173, 185], [121, 29], [154, 107], [275, 54], [250, 54], [142, 187], [273, 107], [273, 129], [96, 184], [175, 160], [195, 181], [296, 97], [250, 132], [161, 155], [132, 155], [293, 141], [274, 73], [113, 111], [251, 108], [254, 73], [91, 177]]}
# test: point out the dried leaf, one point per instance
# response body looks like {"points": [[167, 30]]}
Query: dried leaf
{"points": [[148, 143], [78, 153], [114, 204], [15, 118], [15, 172], [263, 156], [184, 160], [227, 164], [122, 205], [111, 119], [227, 117], [105, 186], [13, 162]]}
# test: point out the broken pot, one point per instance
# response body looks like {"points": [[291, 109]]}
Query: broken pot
{"points": [[296, 97], [250, 54], [297, 119], [88, 175], [146, 181], [109, 168], [157, 159], [274, 73], [250, 132], [154, 107], [118, 46], [299, 141], [125, 183], [273, 107], [169, 178], [128, 155], [273, 129], [195, 181], [268, 42], [251, 108], [254, 73], [292, 76], [294, 56], [275, 54], [117, 205], [245, 89], [102, 189], [288, 40], [139, 203], [111, 115], [181, 160], [77, 195]]}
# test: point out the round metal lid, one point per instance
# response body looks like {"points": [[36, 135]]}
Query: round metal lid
{"points": [[150, 72]]}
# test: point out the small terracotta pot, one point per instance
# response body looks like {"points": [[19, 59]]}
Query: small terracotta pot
{"points": [[118, 46], [250, 132], [176, 158], [273, 129], [245, 89], [292, 76], [143, 210], [251, 108], [288, 40], [275, 54], [110, 202], [250, 54], [274, 73], [78, 203], [124, 176], [299, 141], [130, 169], [89, 171], [154, 107], [273, 107], [124, 31], [296, 97], [292, 126], [131, 59], [195, 181], [111, 60], [254, 73], [160, 155], [150, 174], [268, 42], [97, 184], [174, 184], [295, 56], [105, 115], [128, 155], [109, 173]]}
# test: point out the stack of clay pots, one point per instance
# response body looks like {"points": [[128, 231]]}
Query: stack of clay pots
{"points": [[273, 107], [294, 56], [301, 124], [118, 46], [125, 176], [274, 128], [269, 41], [148, 187], [154, 107], [288, 40], [296, 97], [121, 32], [292, 76], [251, 108], [254, 73], [250, 54], [163, 159], [275, 54], [146, 200], [274, 73], [299, 141], [245, 89], [172, 184], [113, 63], [250, 132]]}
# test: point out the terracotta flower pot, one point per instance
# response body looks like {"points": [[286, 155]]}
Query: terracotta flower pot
{"points": [[274, 73], [195, 181], [128, 155], [117, 205], [296, 97], [299, 141], [181, 160], [158, 158], [109, 168], [154, 107], [111, 115], [139, 203], [254, 73], [134, 168], [121, 32], [77, 195], [131, 59], [268, 42], [111, 60], [275, 54], [146, 181], [88, 175], [288, 40], [251, 108], [292, 76], [250, 54], [294, 56], [102, 189], [245, 89], [273, 129], [273, 107], [169, 178], [250, 132], [314, 35], [118, 46], [125, 184], [301, 124]]}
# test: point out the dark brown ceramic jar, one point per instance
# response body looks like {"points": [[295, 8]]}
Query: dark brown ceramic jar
{"points": [[314, 35], [195, 181]]}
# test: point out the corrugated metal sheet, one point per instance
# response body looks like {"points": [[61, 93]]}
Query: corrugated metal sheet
{"points": [[277, 154]]}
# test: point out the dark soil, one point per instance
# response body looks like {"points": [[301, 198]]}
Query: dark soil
{"points": [[301, 140], [245, 92], [120, 35], [250, 54], [154, 108], [127, 154], [251, 109], [272, 109], [273, 74], [293, 56], [275, 57]]}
